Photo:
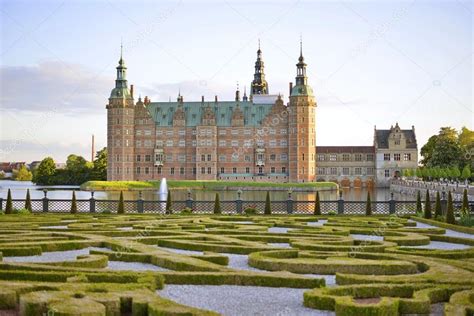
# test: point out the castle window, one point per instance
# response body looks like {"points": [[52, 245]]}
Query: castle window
{"points": [[247, 132], [147, 132], [169, 143], [193, 143], [346, 157], [397, 142], [139, 158], [321, 157], [147, 170], [128, 170], [209, 157], [127, 143], [386, 157], [302, 156], [182, 158], [158, 170], [370, 171], [396, 157], [138, 143], [117, 158], [159, 143], [407, 156], [247, 170], [147, 143], [248, 143], [222, 132], [272, 131], [172, 170], [159, 132], [357, 171], [209, 142], [247, 158], [209, 170], [370, 157], [272, 143], [283, 157], [181, 170], [333, 170], [182, 143], [203, 157], [260, 142], [345, 171], [387, 173], [272, 157], [169, 158], [234, 170], [322, 171], [283, 143], [272, 170], [358, 157], [235, 143], [118, 170], [169, 133], [283, 169], [138, 132], [138, 170], [222, 143], [181, 132], [222, 169], [147, 157], [194, 170], [234, 132], [260, 170], [283, 131]]}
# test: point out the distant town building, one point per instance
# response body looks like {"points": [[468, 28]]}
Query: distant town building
{"points": [[251, 138], [7, 168]]}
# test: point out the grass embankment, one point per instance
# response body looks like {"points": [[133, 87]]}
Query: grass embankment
{"points": [[202, 185]]}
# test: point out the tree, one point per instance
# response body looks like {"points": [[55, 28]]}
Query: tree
{"points": [[99, 169], [217, 205], [9, 206], [406, 173], [368, 205], [450, 212], [419, 173], [456, 172], [23, 174], [168, 203], [427, 205], [28, 201], [45, 172], [418, 203], [443, 150], [466, 172], [121, 204], [317, 205], [438, 211], [465, 204], [73, 203], [268, 205], [78, 169]]}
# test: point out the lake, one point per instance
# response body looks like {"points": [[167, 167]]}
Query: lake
{"points": [[19, 188]]}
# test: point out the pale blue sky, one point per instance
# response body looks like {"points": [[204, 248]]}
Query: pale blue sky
{"points": [[369, 63]]}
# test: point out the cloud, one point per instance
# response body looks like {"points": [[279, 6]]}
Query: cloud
{"points": [[53, 86]]}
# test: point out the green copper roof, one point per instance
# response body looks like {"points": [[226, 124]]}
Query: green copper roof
{"points": [[162, 112], [302, 90]]}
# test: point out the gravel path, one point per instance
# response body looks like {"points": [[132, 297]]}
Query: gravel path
{"points": [[442, 245], [279, 244], [182, 251], [54, 256], [321, 222], [133, 266], [54, 227], [449, 232], [278, 230], [240, 262], [367, 237], [241, 300]]}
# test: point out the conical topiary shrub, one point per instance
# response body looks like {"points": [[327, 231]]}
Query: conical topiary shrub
{"points": [[438, 211], [450, 212], [268, 205], [317, 205], [427, 205], [168, 203], [368, 205], [465, 204], [73, 203], [121, 204], [9, 206], [217, 204], [419, 208], [28, 201]]}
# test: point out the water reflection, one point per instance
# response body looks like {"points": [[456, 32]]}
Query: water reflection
{"points": [[64, 192]]}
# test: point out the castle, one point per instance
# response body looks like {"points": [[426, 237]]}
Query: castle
{"points": [[251, 138]]}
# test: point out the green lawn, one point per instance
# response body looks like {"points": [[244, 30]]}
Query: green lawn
{"points": [[203, 185]]}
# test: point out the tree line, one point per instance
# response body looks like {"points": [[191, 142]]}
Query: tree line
{"points": [[77, 171]]}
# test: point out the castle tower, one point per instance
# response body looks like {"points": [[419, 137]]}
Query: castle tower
{"points": [[302, 134], [259, 84], [120, 128]]}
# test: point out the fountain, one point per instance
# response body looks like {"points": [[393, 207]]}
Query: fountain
{"points": [[163, 194]]}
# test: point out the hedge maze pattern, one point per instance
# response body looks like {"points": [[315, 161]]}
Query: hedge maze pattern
{"points": [[116, 264]]}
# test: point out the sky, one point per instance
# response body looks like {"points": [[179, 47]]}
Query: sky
{"points": [[370, 63]]}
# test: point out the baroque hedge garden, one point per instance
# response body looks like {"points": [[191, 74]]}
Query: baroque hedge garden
{"points": [[235, 265]]}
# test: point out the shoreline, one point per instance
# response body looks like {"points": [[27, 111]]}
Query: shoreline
{"points": [[208, 185]]}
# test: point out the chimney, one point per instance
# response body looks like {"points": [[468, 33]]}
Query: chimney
{"points": [[131, 90], [202, 99], [92, 148], [215, 99], [291, 87]]}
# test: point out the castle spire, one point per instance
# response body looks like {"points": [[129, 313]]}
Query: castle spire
{"points": [[301, 83], [259, 84], [121, 86]]}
